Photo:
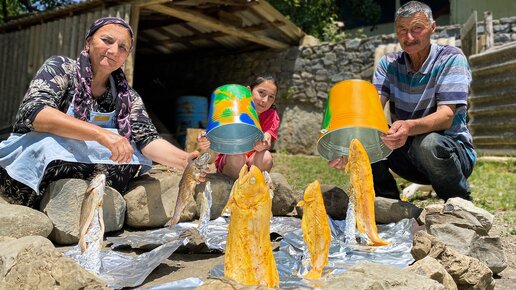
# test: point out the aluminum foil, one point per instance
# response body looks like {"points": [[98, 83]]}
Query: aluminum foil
{"points": [[185, 284], [119, 270], [293, 258]]}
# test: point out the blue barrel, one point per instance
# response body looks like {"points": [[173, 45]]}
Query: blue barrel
{"points": [[191, 112]]}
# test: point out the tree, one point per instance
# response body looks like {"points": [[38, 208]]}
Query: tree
{"points": [[10, 9], [312, 16]]}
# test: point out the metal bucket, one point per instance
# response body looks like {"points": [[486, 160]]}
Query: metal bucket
{"points": [[353, 111], [233, 124]]}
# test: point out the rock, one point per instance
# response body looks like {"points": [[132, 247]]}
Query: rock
{"points": [[284, 200], [62, 204], [389, 210], [335, 201], [490, 251], [33, 262], [431, 268], [221, 188], [367, 275], [309, 40], [467, 272], [462, 231], [482, 215], [18, 221], [221, 283], [431, 208], [152, 197]]}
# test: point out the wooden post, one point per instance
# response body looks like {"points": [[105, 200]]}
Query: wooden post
{"points": [[468, 35], [129, 64], [488, 22]]}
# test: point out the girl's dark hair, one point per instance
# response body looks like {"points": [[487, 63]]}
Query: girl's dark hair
{"points": [[260, 79]]}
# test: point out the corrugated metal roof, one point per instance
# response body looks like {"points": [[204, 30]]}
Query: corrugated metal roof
{"points": [[166, 26]]}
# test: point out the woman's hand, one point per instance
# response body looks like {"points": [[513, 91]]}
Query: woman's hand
{"points": [[121, 149], [339, 163]]}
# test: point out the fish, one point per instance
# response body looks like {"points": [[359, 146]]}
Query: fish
{"points": [[187, 184], [248, 259], [91, 208], [316, 229], [362, 192]]}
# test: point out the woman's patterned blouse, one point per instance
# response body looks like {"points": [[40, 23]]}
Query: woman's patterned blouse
{"points": [[54, 86]]}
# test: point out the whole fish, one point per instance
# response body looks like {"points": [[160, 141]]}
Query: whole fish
{"points": [[91, 209], [187, 185], [316, 229], [248, 259], [362, 192]]}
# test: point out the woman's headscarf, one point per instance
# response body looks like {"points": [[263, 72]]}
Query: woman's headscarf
{"points": [[83, 96]]}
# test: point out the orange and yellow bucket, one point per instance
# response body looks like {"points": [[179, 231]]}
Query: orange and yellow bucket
{"points": [[353, 111]]}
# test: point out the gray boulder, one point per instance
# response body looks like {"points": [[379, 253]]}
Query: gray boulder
{"points": [[32, 262], [19, 221], [62, 204], [367, 275]]}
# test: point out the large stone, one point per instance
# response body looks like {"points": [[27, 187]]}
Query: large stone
{"points": [[366, 276], [335, 201], [467, 272], [285, 199], [32, 262], [19, 221], [221, 188], [152, 197], [461, 230], [431, 268], [389, 210], [483, 216], [62, 204], [298, 124]]}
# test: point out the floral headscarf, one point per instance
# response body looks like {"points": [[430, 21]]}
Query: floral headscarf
{"points": [[83, 96]]}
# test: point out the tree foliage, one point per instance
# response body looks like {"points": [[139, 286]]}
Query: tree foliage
{"points": [[312, 16], [327, 19], [10, 9]]}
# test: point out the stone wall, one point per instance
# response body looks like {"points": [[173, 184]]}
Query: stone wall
{"points": [[305, 76]]}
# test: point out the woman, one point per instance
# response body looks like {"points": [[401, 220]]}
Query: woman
{"points": [[263, 90], [80, 118]]}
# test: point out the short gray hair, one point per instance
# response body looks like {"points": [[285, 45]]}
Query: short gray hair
{"points": [[413, 7]]}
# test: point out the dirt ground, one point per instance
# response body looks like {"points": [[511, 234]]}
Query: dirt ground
{"points": [[182, 266]]}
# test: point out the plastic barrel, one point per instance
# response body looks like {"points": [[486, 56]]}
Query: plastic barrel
{"points": [[191, 112], [353, 111]]}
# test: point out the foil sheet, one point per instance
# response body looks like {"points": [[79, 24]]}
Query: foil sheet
{"points": [[293, 258], [120, 270]]}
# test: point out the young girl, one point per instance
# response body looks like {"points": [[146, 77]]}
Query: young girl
{"points": [[264, 90]]}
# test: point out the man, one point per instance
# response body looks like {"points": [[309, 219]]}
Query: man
{"points": [[427, 88]]}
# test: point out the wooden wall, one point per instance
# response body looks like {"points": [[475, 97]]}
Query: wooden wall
{"points": [[24, 51], [493, 101]]}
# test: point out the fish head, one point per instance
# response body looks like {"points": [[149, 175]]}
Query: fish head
{"points": [[97, 186], [312, 192], [250, 189]]}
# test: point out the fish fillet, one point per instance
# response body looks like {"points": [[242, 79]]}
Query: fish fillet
{"points": [[362, 192], [316, 229], [248, 259]]}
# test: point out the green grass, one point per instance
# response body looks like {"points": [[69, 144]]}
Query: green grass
{"points": [[493, 183]]}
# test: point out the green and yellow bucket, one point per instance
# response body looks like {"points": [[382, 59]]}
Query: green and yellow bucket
{"points": [[233, 124]]}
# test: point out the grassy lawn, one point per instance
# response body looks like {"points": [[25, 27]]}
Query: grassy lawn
{"points": [[493, 183]]}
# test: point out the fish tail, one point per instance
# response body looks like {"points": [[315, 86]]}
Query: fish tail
{"points": [[314, 274]]}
